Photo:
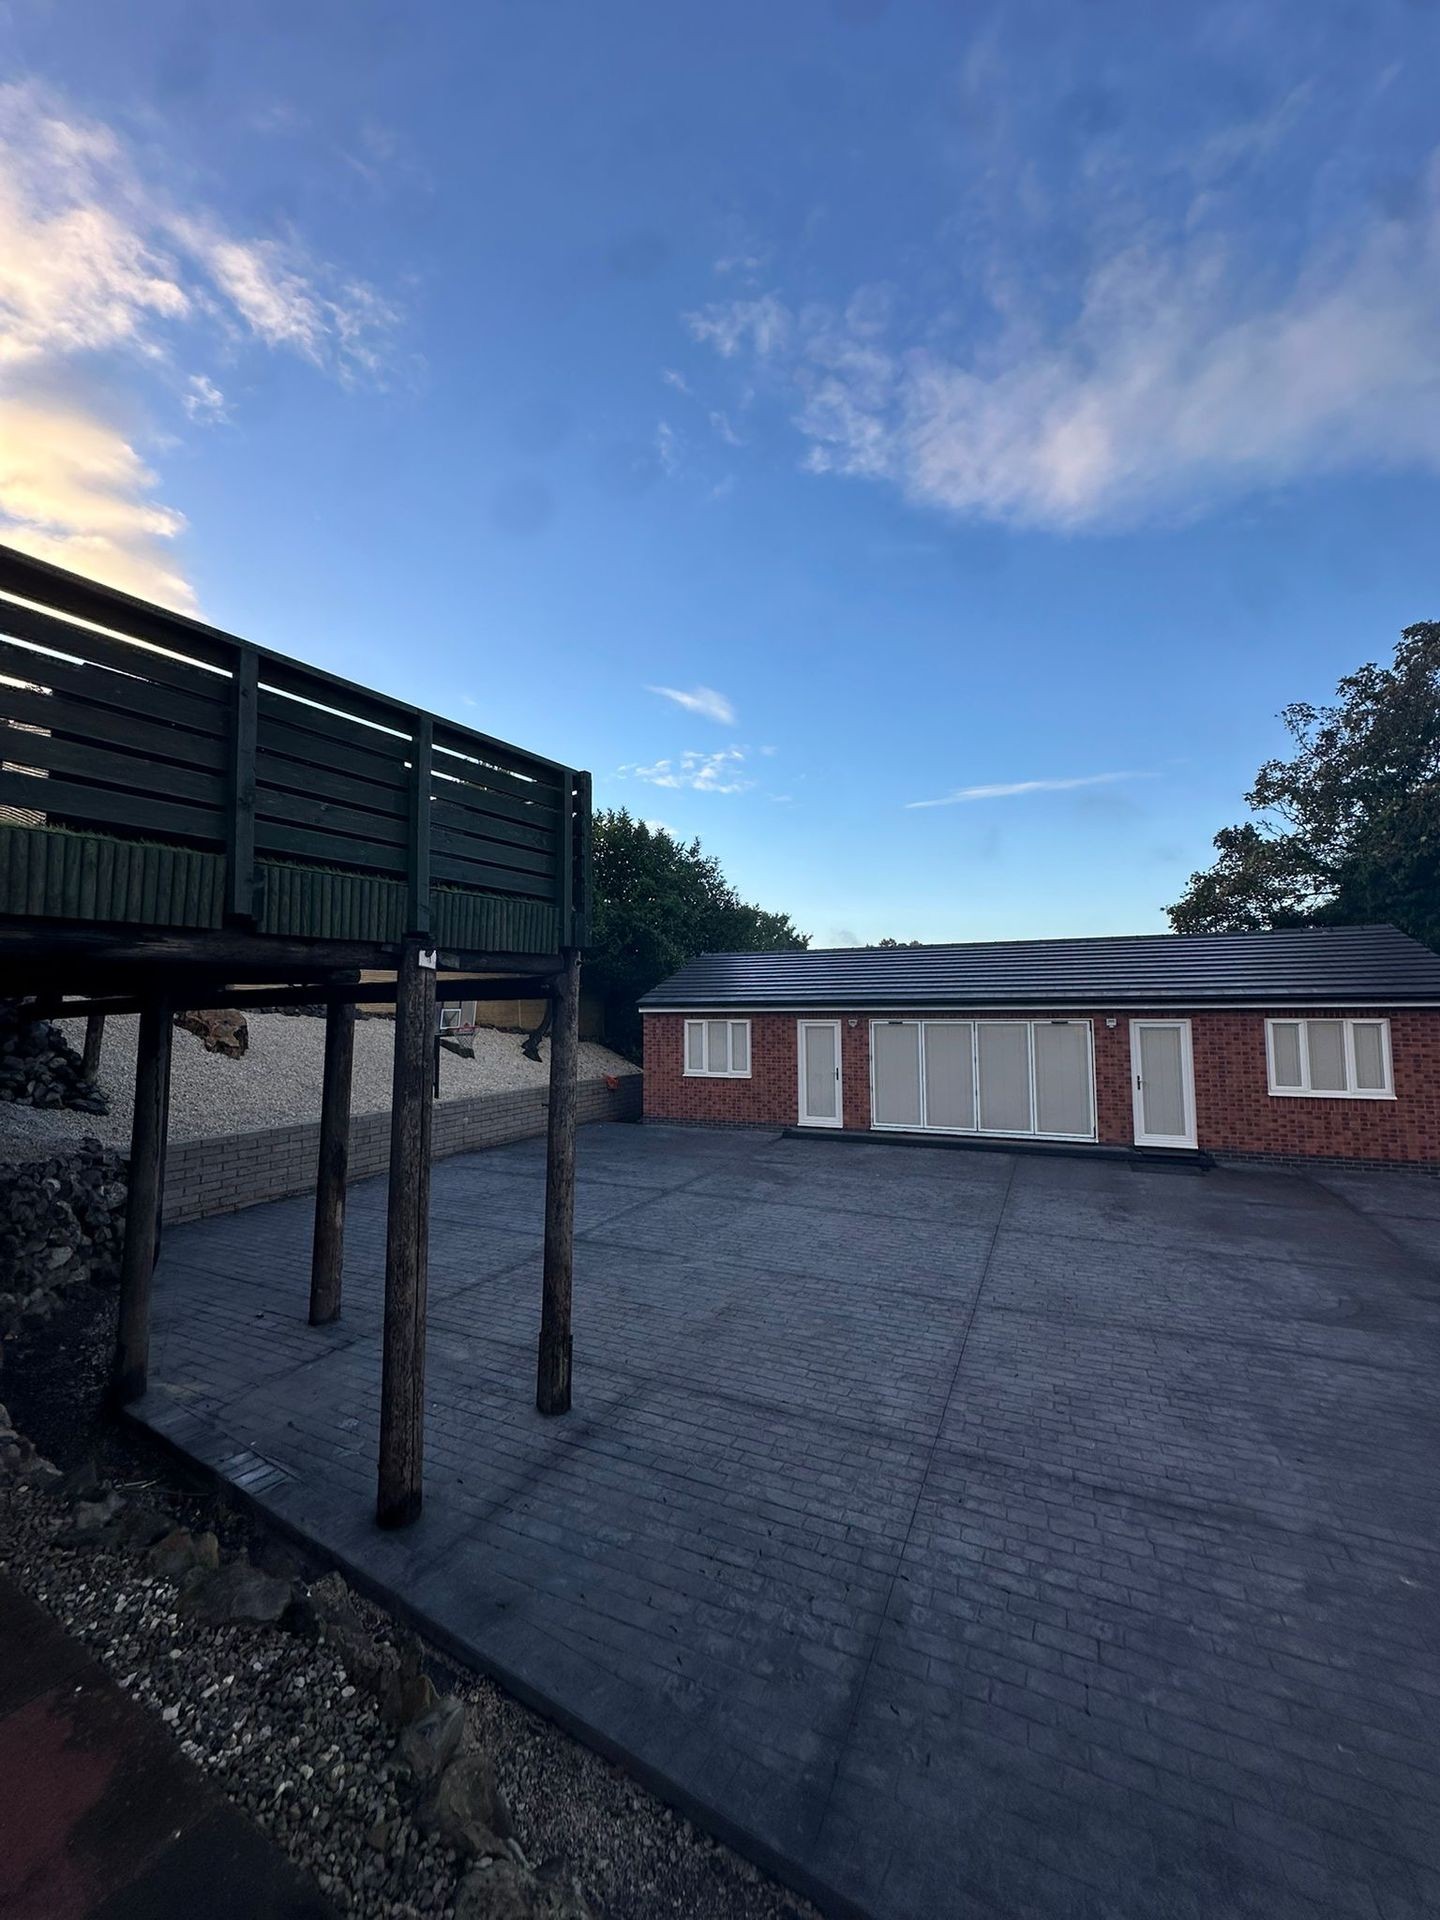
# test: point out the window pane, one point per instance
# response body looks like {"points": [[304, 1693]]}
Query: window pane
{"points": [[1327, 1055], [1285, 1047], [949, 1075], [1004, 1077], [897, 1074], [739, 1046], [822, 1085], [1369, 1056], [1062, 1078], [717, 1051], [694, 1046]]}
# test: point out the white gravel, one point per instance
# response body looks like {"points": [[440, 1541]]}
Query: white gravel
{"points": [[276, 1083]]}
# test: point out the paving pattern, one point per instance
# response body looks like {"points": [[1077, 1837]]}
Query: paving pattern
{"points": [[975, 1534]]}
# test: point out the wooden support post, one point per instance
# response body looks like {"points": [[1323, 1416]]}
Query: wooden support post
{"points": [[142, 1207], [164, 1148], [328, 1258], [94, 1041], [552, 1381], [402, 1388]]}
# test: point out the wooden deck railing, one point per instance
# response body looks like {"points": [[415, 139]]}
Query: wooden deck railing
{"points": [[144, 726]]}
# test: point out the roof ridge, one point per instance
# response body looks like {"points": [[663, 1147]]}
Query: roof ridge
{"points": [[1050, 940]]}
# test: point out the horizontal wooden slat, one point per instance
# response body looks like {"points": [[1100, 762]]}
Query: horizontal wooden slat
{"points": [[491, 826], [24, 623], [388, 748], [137, 772], [463, 846], [308, 810], [455, 752], [99, 806], [114, 690], [107, 607], [74, 718], [476, 800], [472, 773], [281, 770], [310, 684], [487, 879], [382, 770], [330, 849]]}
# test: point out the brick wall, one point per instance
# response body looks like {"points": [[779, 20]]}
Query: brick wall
{"points": [[770, 1097], [236, 1170], [1236, 1115]]}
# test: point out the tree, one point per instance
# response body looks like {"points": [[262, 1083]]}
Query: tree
{"points": [[659, 903], [1348, 828]]}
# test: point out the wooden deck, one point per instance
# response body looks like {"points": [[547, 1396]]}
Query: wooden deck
{"points": [[187, 819], [160, 776]]}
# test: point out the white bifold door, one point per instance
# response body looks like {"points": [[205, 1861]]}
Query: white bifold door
{"points": [[1162, 1069], [984, 1076], [820, 1093]]}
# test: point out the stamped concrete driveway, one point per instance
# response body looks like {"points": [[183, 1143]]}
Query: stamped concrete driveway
{"points": [[967, 1533]]}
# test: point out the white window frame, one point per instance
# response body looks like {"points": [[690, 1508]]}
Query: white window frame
{"points": [[975, 1022], [1349, 1091], [705, 1071]]}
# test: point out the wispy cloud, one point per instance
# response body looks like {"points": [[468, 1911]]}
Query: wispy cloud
{"points": [[702, 700], [1008, 789], [100, 267], [1178, 367], [667, 448], [764, 324], [204, 402], [723, 429], [703, 772]]}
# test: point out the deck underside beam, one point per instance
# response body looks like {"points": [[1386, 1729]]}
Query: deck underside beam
{"points": [[361, 993]]}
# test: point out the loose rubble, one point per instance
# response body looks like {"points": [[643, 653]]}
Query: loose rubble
{"points": [[62, 1224], [39, 1067]]}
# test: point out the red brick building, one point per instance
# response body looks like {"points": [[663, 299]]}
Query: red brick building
{"points": [[1295, 1046]]}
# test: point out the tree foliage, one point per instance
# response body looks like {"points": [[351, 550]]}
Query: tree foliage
{"points": [[659, 903], [1347, 829]]}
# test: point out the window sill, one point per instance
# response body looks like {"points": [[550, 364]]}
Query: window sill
{"points": [[696, 1073], [1325, 1093]]}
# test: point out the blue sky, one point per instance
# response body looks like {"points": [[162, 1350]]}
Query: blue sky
{"points": [[980, 420]]}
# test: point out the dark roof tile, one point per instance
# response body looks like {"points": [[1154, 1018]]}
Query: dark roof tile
{"points": [[1315, 966]]}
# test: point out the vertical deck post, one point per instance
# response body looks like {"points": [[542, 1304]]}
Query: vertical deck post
{"points": [[142, 1207], [552, 1380], [327, 1260], [240, 869], [402, 1388], [164, 1146], [94, 1041]]}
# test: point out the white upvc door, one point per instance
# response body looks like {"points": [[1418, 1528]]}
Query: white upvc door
{"points": [[1162, 1072], [820, 1091]]}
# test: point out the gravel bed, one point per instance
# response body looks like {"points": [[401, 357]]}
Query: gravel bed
{"points": [[272, 1718], [277, 1081]]}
